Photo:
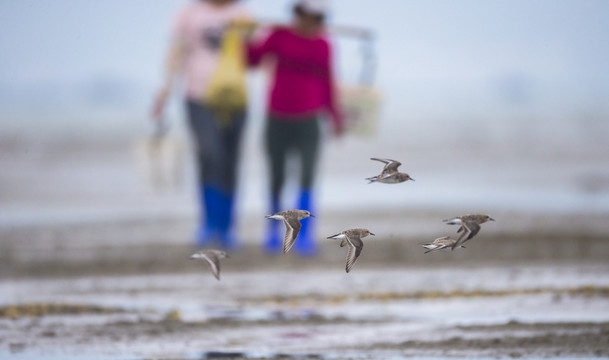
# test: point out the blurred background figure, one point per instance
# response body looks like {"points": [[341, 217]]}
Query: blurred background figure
{"points": [[302, 87], [194, 54]]}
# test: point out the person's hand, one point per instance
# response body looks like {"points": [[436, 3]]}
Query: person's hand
{"points": [[339, 129], [338, 122], [159, 103], [246, 27]]}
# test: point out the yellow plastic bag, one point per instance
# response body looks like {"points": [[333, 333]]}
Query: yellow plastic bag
{"points": [[226, 89]]}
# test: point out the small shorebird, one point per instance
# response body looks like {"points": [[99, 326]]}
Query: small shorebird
{"points": [[213, 258], [390, 173], [470, 225], [444, 242], [291, 219], [352, 238]]}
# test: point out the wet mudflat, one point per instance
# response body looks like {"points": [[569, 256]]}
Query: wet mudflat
{"points": [[309, 308]]}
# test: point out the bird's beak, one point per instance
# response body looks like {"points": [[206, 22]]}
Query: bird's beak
{"points": [[372, 234], [312, 215], [491, 219], [411, 179]]}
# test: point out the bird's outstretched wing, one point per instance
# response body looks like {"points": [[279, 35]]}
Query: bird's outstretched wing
{"points": [[390, 165], [292, 228], [214, 263], [355, 248], [470, 230]]}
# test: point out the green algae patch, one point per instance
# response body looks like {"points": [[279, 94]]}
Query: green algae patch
{"points": [[173, 315], [44, 309], [586, 291]]}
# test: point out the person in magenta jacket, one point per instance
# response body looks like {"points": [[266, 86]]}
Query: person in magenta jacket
{"points": [[301, 91]]}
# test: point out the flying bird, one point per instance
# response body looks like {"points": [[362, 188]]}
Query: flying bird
{"points": [[390, 173], [353, 239], [213, 258], [291, 219], [470, 226], [445, 242]]}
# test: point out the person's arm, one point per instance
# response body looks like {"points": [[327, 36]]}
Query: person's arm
{"points": [[258, 48], [173, 68], [174, 63]]}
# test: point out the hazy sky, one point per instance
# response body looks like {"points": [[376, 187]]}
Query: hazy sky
{"points": [[520, 50]]}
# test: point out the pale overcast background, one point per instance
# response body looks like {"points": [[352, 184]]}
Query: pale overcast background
{"points": [[490, 104]]}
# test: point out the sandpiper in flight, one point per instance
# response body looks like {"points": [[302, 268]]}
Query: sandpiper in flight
{"points": [[390, 173], [291, 219], [444, 242], [352, 238], [213, 258], [470, 225]]}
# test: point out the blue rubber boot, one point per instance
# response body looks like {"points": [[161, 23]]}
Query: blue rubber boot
{"points": [[207, 232], [228, 239], [305, 242], [273, 243]]}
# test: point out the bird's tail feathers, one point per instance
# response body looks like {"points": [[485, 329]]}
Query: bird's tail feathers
{"points": [[452, 221]]}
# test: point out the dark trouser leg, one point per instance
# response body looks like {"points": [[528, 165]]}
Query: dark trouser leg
{"points": [[307, 146], [282, 137], [231, 146], [277, 146], [205, 137], [208, 144], [217, 151]]}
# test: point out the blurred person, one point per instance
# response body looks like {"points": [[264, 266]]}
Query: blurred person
{"points": [[302, 87], [194, 52]]}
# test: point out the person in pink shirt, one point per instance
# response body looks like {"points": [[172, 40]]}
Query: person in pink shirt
{"points": [[193, 58], [302, 89]]}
